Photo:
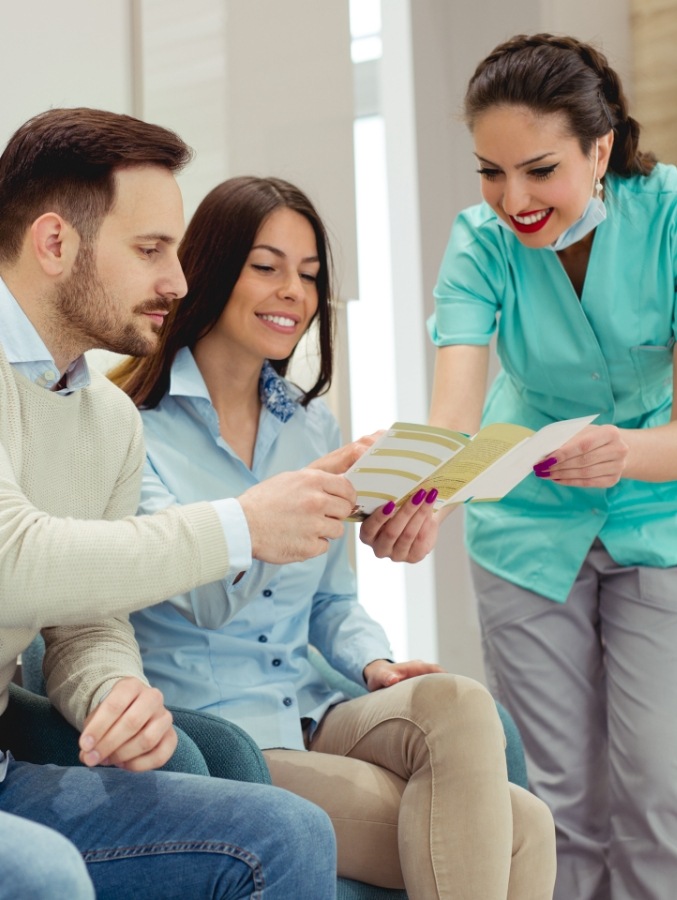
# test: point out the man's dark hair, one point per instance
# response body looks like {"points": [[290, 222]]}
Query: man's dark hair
{"points": [[64, 161]]}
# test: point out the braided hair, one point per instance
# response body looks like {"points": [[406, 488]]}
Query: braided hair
{"points": [[550, 74]]}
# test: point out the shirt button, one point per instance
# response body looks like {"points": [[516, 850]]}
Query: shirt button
{"points": [[49, 375], [267, 593], [262, 638], [287, 701], [277, 662], [595, 376]]}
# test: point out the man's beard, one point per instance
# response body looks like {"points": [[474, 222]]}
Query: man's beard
{"points": [[94, 315]]}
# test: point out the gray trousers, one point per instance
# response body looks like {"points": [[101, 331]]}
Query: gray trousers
{"points": [[592, 685]]}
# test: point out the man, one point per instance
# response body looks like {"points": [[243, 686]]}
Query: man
{"points": [[91, 219]]}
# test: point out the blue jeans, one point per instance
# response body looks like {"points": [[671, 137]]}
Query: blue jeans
{"points": [[163, 834], [39, 864]]}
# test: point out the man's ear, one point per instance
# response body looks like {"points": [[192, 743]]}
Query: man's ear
{"points": [[55, 244]]}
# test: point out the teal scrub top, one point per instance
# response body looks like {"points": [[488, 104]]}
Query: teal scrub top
{"points": [[609, 353]]}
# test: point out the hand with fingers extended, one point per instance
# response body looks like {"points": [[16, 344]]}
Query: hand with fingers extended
{"points": [[596, 457], [293, 515], [381, 673], [130, 729], [405, 535]]}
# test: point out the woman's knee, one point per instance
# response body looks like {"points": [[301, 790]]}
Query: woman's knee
{"points": [[533, 825], [449, 703]]}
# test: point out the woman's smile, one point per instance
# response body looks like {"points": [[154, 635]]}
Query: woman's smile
{"points": [[278, 322], [530, 222]]}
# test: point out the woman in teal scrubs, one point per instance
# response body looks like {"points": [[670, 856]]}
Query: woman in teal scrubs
{"points": [[571, 261]]}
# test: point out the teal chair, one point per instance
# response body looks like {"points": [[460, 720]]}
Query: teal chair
{"points": [[207, 744]]}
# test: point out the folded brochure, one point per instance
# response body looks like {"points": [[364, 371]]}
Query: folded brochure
{"points": [[464, 469]]}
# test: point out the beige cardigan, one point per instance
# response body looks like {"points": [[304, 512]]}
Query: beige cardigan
{"points": [[74, 559]]}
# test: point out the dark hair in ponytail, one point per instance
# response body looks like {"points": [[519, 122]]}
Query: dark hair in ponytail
{"points": [[551, 74]]}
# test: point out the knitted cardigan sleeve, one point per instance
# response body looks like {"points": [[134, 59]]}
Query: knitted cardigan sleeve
{"points": [[82, 663], [76, 579]]}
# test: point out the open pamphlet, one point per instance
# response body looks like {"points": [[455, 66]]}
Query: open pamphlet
{"points": [[464, 469]]}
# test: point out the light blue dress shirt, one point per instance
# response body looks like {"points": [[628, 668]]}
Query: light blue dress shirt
{"points": [[26, 351], [240, 650], [609, 352]]}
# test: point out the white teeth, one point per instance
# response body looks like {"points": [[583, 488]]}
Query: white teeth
{"points": [[279, 320], [530, 220]]}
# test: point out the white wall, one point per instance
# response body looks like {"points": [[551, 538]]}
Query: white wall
{"points": [[75, 53]]}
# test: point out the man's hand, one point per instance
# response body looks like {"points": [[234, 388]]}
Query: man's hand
{"points": [[293, 515], [407, 535], [130, 729], [595, 457], [382, 674], [339, 461]]}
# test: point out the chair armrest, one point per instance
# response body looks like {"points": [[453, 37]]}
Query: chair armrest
{"points": [[36, 732], [228, 750], [208, 745]]}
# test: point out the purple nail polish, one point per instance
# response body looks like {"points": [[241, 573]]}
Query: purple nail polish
{"points": [[432, 496], [418, 497], [388, 508], [541, 473], [546, 463]]}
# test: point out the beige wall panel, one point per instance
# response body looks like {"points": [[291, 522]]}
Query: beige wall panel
{"points": [[654, 36]]}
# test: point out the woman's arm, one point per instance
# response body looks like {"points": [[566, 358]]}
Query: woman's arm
{"points": [[459, 387], [339, 626], [600, 455]]}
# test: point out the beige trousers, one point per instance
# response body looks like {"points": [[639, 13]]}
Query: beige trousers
{"points": [[414, 779]]}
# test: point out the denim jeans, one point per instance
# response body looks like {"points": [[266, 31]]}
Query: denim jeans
{"points": [[39, 864], [164, 834]]}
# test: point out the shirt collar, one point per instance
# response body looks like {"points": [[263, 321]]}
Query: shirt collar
{"points": [[276, 394], [26, 351]]}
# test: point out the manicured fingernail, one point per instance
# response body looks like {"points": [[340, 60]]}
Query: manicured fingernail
{"points": [[542, 473], [418, 497], [388, 508], [546, 463], [432, 496]]}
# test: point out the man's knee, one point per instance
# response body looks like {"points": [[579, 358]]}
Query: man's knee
{"points": [[46, 866], [304, 823]]}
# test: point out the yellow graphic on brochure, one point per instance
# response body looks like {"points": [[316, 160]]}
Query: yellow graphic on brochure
{"points": [[463, 469]]}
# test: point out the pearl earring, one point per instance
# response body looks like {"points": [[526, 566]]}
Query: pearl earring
{"points": [[599, 187]]}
